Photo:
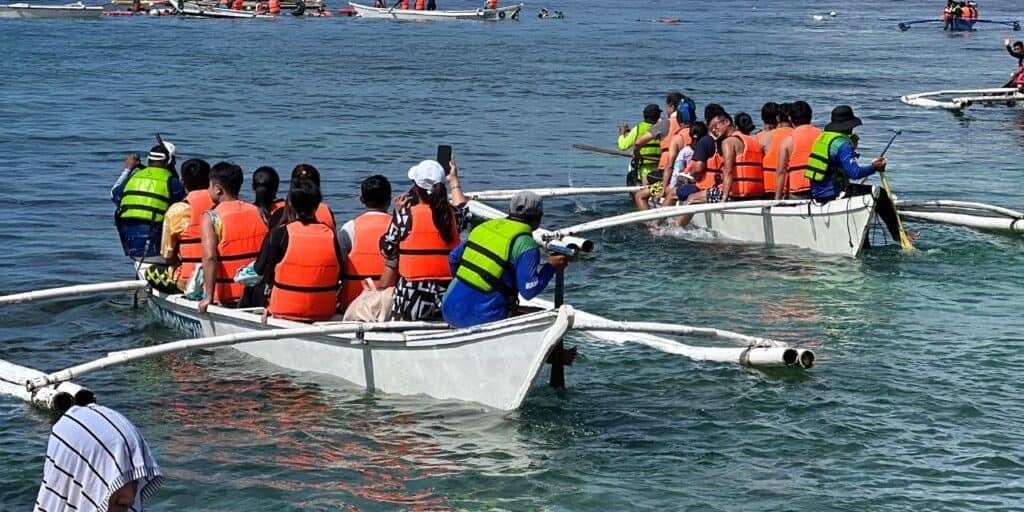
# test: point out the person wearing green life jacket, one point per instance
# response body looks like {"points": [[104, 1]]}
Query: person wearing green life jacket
{"points": [[645, 157], [832, 167], [142, 197], [497, 263]]}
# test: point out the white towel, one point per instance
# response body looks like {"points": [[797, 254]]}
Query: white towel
{"points": [[93, 452]]}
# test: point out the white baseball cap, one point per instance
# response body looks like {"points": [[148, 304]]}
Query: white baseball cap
{"points": [[426, 174]]}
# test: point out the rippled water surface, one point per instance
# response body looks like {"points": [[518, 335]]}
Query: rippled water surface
{"points": [[915, 404]]}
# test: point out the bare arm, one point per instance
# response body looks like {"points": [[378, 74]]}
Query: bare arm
{"points": [[729, 152], [458, 198], [210, 260], [782, 166]]}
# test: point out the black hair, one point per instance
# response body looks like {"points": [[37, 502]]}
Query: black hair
{"points": [[1018, 43], [784, 111], [745, 123], [195, 174], [800, 113], [229, 176], [697, 131], [162, 150], [306, 171], [769, 112], [673, 98], [440, 210], [376, 191], [724, 115], [304, 197], [711, 111], [265, 183]]}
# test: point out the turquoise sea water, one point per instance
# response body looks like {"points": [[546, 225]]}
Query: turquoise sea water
{"points": [[914, 404]]}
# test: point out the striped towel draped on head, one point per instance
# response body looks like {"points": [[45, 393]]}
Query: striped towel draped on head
{"points": [[93, 452]]}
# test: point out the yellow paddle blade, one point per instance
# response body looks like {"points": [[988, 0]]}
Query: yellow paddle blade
{"points": [[904, 239]]}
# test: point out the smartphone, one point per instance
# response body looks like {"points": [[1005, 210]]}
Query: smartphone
{"points": [[444, 157]]}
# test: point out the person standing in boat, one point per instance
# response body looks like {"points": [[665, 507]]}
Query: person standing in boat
{"points": [[232, 234], [424, 230], [301, 261], [359, 239], [142, 197], [180, 244], [497, 263], [646, 156]]}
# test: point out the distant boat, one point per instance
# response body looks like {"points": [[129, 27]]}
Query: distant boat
{"points": [[197, 11], [510, 12], [76, 10]]}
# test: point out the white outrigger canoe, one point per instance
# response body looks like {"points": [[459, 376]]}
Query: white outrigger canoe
{"points": [[76, 10], [510, 12], [964, 98], [193, 10]]}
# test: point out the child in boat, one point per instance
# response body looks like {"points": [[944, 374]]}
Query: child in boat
{"points": [[682, 181]]}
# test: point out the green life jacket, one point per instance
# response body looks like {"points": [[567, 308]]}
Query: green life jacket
{"points": [[488, 253], [147, 195], [651, 150], [818, 165]]}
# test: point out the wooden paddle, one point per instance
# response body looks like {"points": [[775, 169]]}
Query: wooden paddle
{"points": [[613, 152], [904, 239]]}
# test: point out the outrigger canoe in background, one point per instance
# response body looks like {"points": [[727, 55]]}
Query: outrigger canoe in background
{"points": [[510, 12], [76, 10], [194, 10], [964, 98], [959, 24]]}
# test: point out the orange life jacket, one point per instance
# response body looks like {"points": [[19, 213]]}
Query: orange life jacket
{"points": [[803, 141], [421, 4], [712, 172], [492, 4], [747, 177], [324, 216], [364, 259], [305, 286], [771, 157], [237, 5], [405, 4], [190, 243], [275, 6], [423, 255], [242, 234], [673, 129]]}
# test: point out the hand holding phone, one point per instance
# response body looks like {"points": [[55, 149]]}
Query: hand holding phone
{"points": [[444, 157]]}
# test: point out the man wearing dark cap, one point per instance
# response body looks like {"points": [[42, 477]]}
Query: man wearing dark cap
{"points": [[646, 156], [498, 262], [142, 197], [833, 163]]}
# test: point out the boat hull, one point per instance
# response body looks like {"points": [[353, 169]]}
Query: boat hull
{"points": [[196, 11], [965, 98], [500, 14], [493, 364], [838, 227], [50, 11]]}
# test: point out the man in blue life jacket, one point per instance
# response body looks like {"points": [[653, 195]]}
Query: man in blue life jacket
{"points": [[498, 262], [833, 165], [142, 197]]}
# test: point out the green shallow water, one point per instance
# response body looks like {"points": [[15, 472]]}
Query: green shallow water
{"points": [[914, 404]]}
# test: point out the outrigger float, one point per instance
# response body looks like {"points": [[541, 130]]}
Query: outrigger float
{"points": [[493, 364], [961, 99]]}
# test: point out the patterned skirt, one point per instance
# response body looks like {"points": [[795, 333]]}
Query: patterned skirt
{"points": [[418, 300]]}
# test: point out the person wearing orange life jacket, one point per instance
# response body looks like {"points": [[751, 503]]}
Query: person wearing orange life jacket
{"points": [[769, 121], [741, 158], [491, 4], [359, 239], [421, 5], [323, 212], [301, 262], [423, 231], [793, 154], [180, 244], [771, 142], [274, 6], [404, 4], [705, 164], [672, 132], [238, 5], [232, 234], [265, 184]]}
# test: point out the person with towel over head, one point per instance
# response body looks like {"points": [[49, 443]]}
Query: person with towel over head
{"points": [[96, 460]]}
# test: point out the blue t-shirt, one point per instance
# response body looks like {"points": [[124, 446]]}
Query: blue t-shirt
{"points": [[704, 149], [465, 306]]}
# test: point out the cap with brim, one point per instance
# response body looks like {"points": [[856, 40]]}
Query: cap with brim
{"points": [[426, 174], [526, 204], [843, 120]]}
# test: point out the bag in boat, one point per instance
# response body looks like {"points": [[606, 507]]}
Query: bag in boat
{"points": [[247, 276], [194, 286], [372, 305]]}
